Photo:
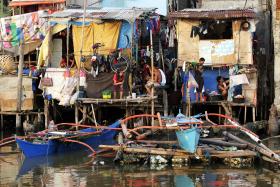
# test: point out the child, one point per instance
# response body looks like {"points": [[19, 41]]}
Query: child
{"points": [[118, 83]]}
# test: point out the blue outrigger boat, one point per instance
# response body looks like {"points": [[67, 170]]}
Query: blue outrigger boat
{"points": [[55, 146]]}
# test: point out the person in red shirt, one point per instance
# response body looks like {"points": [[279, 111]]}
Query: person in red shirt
{"points": [[118, 84], [63, 62]]}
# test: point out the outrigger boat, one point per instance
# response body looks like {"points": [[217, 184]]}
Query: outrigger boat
{"points": [[63, 142], [187, 130]]}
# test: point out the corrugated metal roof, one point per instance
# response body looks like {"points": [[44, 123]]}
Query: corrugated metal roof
{"points": [[213, 14], [116, 14], [15, 3]]}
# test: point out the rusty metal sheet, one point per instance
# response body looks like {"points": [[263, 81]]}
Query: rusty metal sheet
{"points": [[213, 14]]}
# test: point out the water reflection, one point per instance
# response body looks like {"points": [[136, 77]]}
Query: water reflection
{"points": [[70, 170]]}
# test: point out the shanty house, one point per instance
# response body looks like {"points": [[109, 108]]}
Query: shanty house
{"points": [[224, 37], [27, 6]]}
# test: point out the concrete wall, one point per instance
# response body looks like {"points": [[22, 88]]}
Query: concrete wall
{"points": [[93, 3], [276, 37], [227, 4], [161, 5]]}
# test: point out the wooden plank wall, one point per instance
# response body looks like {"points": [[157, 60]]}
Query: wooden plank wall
{"points": [[250, 91], [188, 47], [243, 45], [8, 93]]}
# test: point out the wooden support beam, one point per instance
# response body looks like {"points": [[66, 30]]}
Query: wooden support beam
{"points": [[220, 111], [84, 113], [165, 102], [254, 114], [2, 122], [179, 153], [245, 114], [19, 86], [76, 112], [93, 115], [46, 113], [152, 64]]}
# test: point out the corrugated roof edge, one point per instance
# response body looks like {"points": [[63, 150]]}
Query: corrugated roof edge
{"points": [[213, 14], [119, 14]]}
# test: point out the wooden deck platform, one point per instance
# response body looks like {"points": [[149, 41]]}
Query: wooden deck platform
{"points": [[221, 104], [89, 106]]}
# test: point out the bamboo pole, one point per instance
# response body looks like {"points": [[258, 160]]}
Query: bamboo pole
{"points": [[152, 64], [261, 150], [223, 143], [19, 86], [81, 53], [46, 113], [82, 44], [67, 44], [2, 122], [178, 153]]}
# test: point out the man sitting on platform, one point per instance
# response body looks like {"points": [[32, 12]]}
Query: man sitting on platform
{"points": [[222, 87], [159, 79]]}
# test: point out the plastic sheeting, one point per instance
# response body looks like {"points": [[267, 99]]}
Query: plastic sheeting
{"points": [[27, 27], [77, 41], [125, 36], [106, 33], [95, 86], [44, 49], [210, 80]]}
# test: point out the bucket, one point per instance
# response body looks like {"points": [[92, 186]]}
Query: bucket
{"points": [[107, 94], [188, 139]]}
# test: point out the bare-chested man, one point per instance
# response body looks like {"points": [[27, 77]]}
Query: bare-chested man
{"points": [[156, 79]]}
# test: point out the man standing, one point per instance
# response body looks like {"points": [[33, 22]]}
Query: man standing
{"points": [[199, 79]]}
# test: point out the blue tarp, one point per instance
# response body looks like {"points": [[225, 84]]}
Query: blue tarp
{"points": [[125, 36], [210, 80]]}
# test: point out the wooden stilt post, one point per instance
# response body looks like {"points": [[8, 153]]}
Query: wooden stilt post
{"points": [[54, 111], [152, 64], [93, 115], [99, 115], [39, 119], [165, 102], [46, 113], [254, 113], [84, 113], [2, 122], [76, 113], [220, 111], [245, 114], [19, 86]]}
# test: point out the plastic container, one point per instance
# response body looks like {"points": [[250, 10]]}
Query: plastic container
{"points": [[107, 94]]}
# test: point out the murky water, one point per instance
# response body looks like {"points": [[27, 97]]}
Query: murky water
{"points": [[78, 170]]}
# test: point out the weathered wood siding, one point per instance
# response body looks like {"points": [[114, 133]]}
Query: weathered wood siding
{"points": [[189, 47], [8, 93]]}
